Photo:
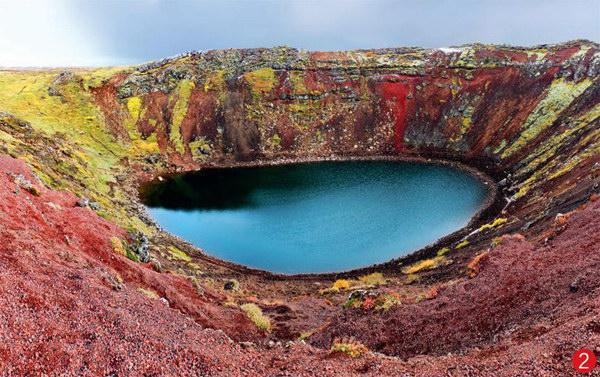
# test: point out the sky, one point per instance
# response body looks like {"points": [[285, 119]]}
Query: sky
{"points": [[36, 33]]}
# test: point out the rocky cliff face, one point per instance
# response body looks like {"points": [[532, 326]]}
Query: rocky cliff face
{"points": [[530, 115]]}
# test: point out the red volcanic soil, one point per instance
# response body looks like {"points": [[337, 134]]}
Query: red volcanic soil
{"points": [[396, 92], [529, 306], [63, 307], [530, 303]]}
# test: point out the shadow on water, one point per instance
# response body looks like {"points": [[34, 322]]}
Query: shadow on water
{"points": [[232, 188]]}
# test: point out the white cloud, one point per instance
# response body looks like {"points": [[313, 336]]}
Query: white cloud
{"points": [[40, 33]]}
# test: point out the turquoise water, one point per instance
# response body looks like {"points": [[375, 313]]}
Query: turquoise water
{"points": [[318, 217]]}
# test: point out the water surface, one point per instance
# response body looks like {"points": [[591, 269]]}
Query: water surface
{"points": [[318, 217]]}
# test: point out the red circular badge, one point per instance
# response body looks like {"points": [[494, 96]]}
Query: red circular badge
{"points": [[584, 360]]}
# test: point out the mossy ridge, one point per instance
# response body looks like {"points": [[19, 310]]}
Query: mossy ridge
{"points": [[542, 164], [548, 149], [91, 154], [557, 98], [555, 167], [181, 98]]}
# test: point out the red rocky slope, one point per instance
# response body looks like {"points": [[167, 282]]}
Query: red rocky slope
{"points": [[531, 305]]}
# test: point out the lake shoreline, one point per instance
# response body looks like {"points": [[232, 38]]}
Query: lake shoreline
{"points": [[489, 207]]}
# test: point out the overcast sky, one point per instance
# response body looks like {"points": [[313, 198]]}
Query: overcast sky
{"points": [[113, 32]]}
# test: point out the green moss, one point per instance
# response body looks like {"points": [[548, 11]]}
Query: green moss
{"points": [[593, 150], [543, 164], [131, 255], [558, 97], [536, 54], [183, 93], [93, 78], [466, 58], [275, 142], [386, 302], [297, 80], [497, 222], [200, 148], [305, 335], [462, 244], [177, 254], [70, 123], [349, 347], [412, 278], [215, 81]]}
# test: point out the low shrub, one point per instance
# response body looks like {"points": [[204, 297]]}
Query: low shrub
{"points": [[474, 266], [349, 346], [117, 246], [338, 285], [256, 315], [341, 284]]}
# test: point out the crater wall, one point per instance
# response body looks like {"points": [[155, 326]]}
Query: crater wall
{"points": [[528, 116]]}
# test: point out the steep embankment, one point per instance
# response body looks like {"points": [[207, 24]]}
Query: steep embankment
{"points": [[529, 118]]}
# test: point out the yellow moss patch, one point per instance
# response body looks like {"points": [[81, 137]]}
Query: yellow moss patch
{"points": [[425, 264], [558, 97], [374, 279], [443, 251], [177, 254], [117, 246], [215, 81], [149, 293], [462, 244], [497, 222], [261, 80], [306, 334], [411, 278], [134, 106], [92, 154], [184, 91], [297, 80], [97, 76], [256, 315]]}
